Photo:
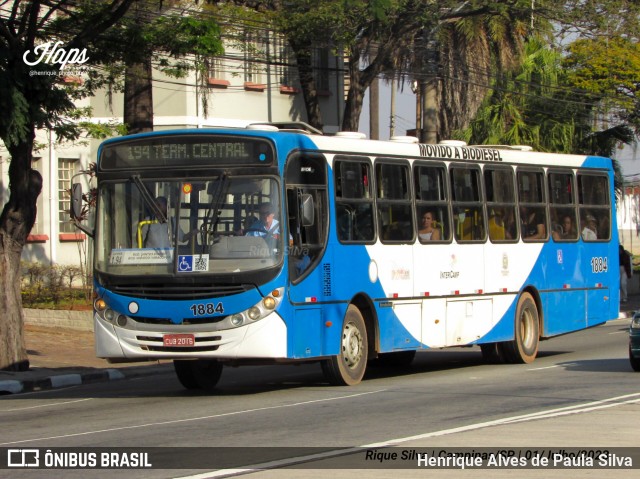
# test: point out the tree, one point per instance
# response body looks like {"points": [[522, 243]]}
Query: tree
{"points": [[32, 98], [38, 40]]}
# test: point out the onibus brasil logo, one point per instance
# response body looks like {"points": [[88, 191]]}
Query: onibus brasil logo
{"points": [[53, 53]]}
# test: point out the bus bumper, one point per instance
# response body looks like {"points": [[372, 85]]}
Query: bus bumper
{"points": [[266, 338]]}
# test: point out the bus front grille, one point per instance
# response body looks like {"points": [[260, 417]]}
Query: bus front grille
{"points": [[179, 292]]}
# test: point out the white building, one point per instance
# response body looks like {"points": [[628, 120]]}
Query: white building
{"points": [[241, 88]]}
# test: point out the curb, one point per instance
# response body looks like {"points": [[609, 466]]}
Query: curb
{"points": [[12, 386]]}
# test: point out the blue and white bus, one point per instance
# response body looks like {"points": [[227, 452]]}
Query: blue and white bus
{"points": [[283, 246]]}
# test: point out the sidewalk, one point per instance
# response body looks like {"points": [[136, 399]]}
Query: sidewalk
{"points": [[62, 357]]}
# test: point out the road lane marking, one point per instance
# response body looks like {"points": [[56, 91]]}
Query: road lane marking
{"points": [[201, 418], [540, 369], [46, 405], [563, 411]]}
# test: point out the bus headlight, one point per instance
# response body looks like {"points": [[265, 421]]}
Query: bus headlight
{"points": [[109, 314], [269, 302], [236, 320], [254, 313]]}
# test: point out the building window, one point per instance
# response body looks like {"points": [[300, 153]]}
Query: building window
{"points": [[285, 62], [253, 52], [214, 67], [66, 170]]}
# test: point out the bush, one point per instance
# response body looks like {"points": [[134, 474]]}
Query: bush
{"points": [[54, 286]]}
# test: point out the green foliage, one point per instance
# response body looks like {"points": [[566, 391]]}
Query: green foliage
{"points": [[607, 70], [53, 286], [540, 105]]}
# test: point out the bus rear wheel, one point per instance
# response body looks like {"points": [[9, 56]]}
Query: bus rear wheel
{"points": [[493, 353], [396, 359], [524, 347], [348, 367], [198, 373]]}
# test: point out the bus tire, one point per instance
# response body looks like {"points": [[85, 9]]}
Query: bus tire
{"points": [[524, 347], [348, 367], [198, 374], [635, 362], [493, 353]]}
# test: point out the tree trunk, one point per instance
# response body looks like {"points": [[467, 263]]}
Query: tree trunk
{"points": [[308, 84], [16, 221], [355, 96], [138, 97]]}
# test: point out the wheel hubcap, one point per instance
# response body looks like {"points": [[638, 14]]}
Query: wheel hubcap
{"points": [[526, 330], [351, 345]]}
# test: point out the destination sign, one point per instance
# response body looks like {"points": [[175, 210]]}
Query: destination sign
{"points": [[460, 152], [185, 151]]}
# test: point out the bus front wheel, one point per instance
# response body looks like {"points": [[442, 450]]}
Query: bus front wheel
{"points": [[348, 367], [198, 373], [524, 347]]}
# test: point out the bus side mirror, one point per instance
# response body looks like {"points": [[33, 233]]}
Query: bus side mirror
{"points": [[76, 201], [77, 213], [307, 210]]}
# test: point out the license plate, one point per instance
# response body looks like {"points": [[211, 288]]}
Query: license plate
{"points": [[178, 340]]}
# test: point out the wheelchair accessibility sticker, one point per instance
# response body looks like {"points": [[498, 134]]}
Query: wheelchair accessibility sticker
{"points": [[193, 263]]}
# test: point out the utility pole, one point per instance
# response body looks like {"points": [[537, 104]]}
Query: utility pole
{"points": [[429, 91]]}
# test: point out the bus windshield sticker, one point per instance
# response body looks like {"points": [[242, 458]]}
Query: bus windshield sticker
{"points": [[193, 263], [141, 256]]}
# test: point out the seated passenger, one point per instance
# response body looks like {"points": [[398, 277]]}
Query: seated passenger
{"points": [[589, 232], [533, 226], [567, 229], [428, 231]]}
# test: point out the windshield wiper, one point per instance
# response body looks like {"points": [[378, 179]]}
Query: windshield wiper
{"points": [[149, 200], [212, 214]]}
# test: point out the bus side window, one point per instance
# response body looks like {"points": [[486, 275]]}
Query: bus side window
{"points": [[594, 206], [533, 205], [354, 201], [430, 187], [393, 201], [501, 204], [468, 212]]}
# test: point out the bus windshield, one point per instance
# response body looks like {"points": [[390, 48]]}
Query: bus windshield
{"points": [[221, 225]]}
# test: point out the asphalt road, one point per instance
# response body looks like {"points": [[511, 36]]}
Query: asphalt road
{"points": [[582, 382]]}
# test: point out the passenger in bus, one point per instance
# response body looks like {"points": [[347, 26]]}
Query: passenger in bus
{"points": [[497, 226], [567, 229], [267, 225], [532, 224], [590, 228], [158, 235], [428, 232]]}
